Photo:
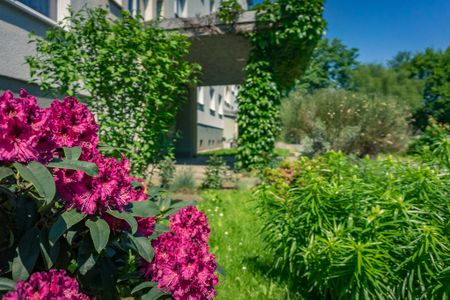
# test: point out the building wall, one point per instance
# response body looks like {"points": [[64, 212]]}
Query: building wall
{"points": [[213, 104], [209, 137], [230, 129], [16, 22]]}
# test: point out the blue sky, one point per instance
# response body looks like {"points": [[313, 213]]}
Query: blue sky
{"points": [[381, 28]]}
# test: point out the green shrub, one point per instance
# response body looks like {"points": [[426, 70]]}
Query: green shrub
{"points": [[433, 145], [183, 182], [166, 171], [345, 228], [215, 172], [346, 121]]}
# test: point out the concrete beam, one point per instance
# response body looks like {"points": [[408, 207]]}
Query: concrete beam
{"points": [[221, 50]]}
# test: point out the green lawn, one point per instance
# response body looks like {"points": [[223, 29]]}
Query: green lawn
{"points": [[239, 248]]}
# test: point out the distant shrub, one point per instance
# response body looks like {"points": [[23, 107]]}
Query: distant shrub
{"points": [[215, 172], [344, 228], [166, 171], [433, 146], [345, 121], [183, 182]]}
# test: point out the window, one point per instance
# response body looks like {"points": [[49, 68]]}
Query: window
{"points": [[212, 6], [227, 95], [201, 98], [159, 8], [138, 7], [42, 6], [180, 8], [212, 102], [220, 112]]}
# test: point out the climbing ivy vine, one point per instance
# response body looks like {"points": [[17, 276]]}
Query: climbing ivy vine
{"points": [[287, 32]]}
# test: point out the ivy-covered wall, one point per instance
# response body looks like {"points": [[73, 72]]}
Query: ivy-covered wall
{"points": [[287, 33]]}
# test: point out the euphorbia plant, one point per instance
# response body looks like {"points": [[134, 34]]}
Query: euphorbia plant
{"points": [[72, 216]]}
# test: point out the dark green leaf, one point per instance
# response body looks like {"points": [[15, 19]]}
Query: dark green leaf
{"points": [[7, 284], [220, 270], [87, 257], [126, 217], [64, 222], [143, 285], [26, 214], [160, 228], [144, 209], [73, 153], [5, 172], [174, 208], [153, 294], [87, 167], [136, 184], [27, 253], [40, 177], [99, 231], [49, 252], [143, 246]]}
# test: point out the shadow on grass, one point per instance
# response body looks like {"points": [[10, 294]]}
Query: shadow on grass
{"points": [[266, 269]]}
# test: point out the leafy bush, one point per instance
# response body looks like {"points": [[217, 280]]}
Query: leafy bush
{"points": [[281, 48], [135, 74], [74, 221], [166, 171], [183, 182], [229, 11], [433, 145], [346, 121], [344, 228], [215, 172]]}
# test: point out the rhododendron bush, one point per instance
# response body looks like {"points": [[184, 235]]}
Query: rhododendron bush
{"points": [[74, 224]]}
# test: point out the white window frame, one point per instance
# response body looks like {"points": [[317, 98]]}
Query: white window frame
{"points": [[201, 95], [212, 101], [180, 8]]}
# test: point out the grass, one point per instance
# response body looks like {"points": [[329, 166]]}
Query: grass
{"points": [[239, 248]]}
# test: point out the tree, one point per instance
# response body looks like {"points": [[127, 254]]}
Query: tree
{"points": [[331, 66], [135, 75], [433, 67], [375, 79]]}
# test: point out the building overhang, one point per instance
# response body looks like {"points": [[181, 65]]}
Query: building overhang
{"points": [[221, 50]]}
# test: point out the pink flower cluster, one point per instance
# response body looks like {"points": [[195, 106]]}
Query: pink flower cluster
{"points": [[72, 124], [51, 285], [28, 132], [182, 264], [23, 134], [111, 189]]}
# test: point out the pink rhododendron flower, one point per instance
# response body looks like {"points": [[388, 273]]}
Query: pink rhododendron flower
{"points": [[146, 226], [182, 264], [111, 189], [190, 223], [51, 285], [72, 124], [23, 137]]}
